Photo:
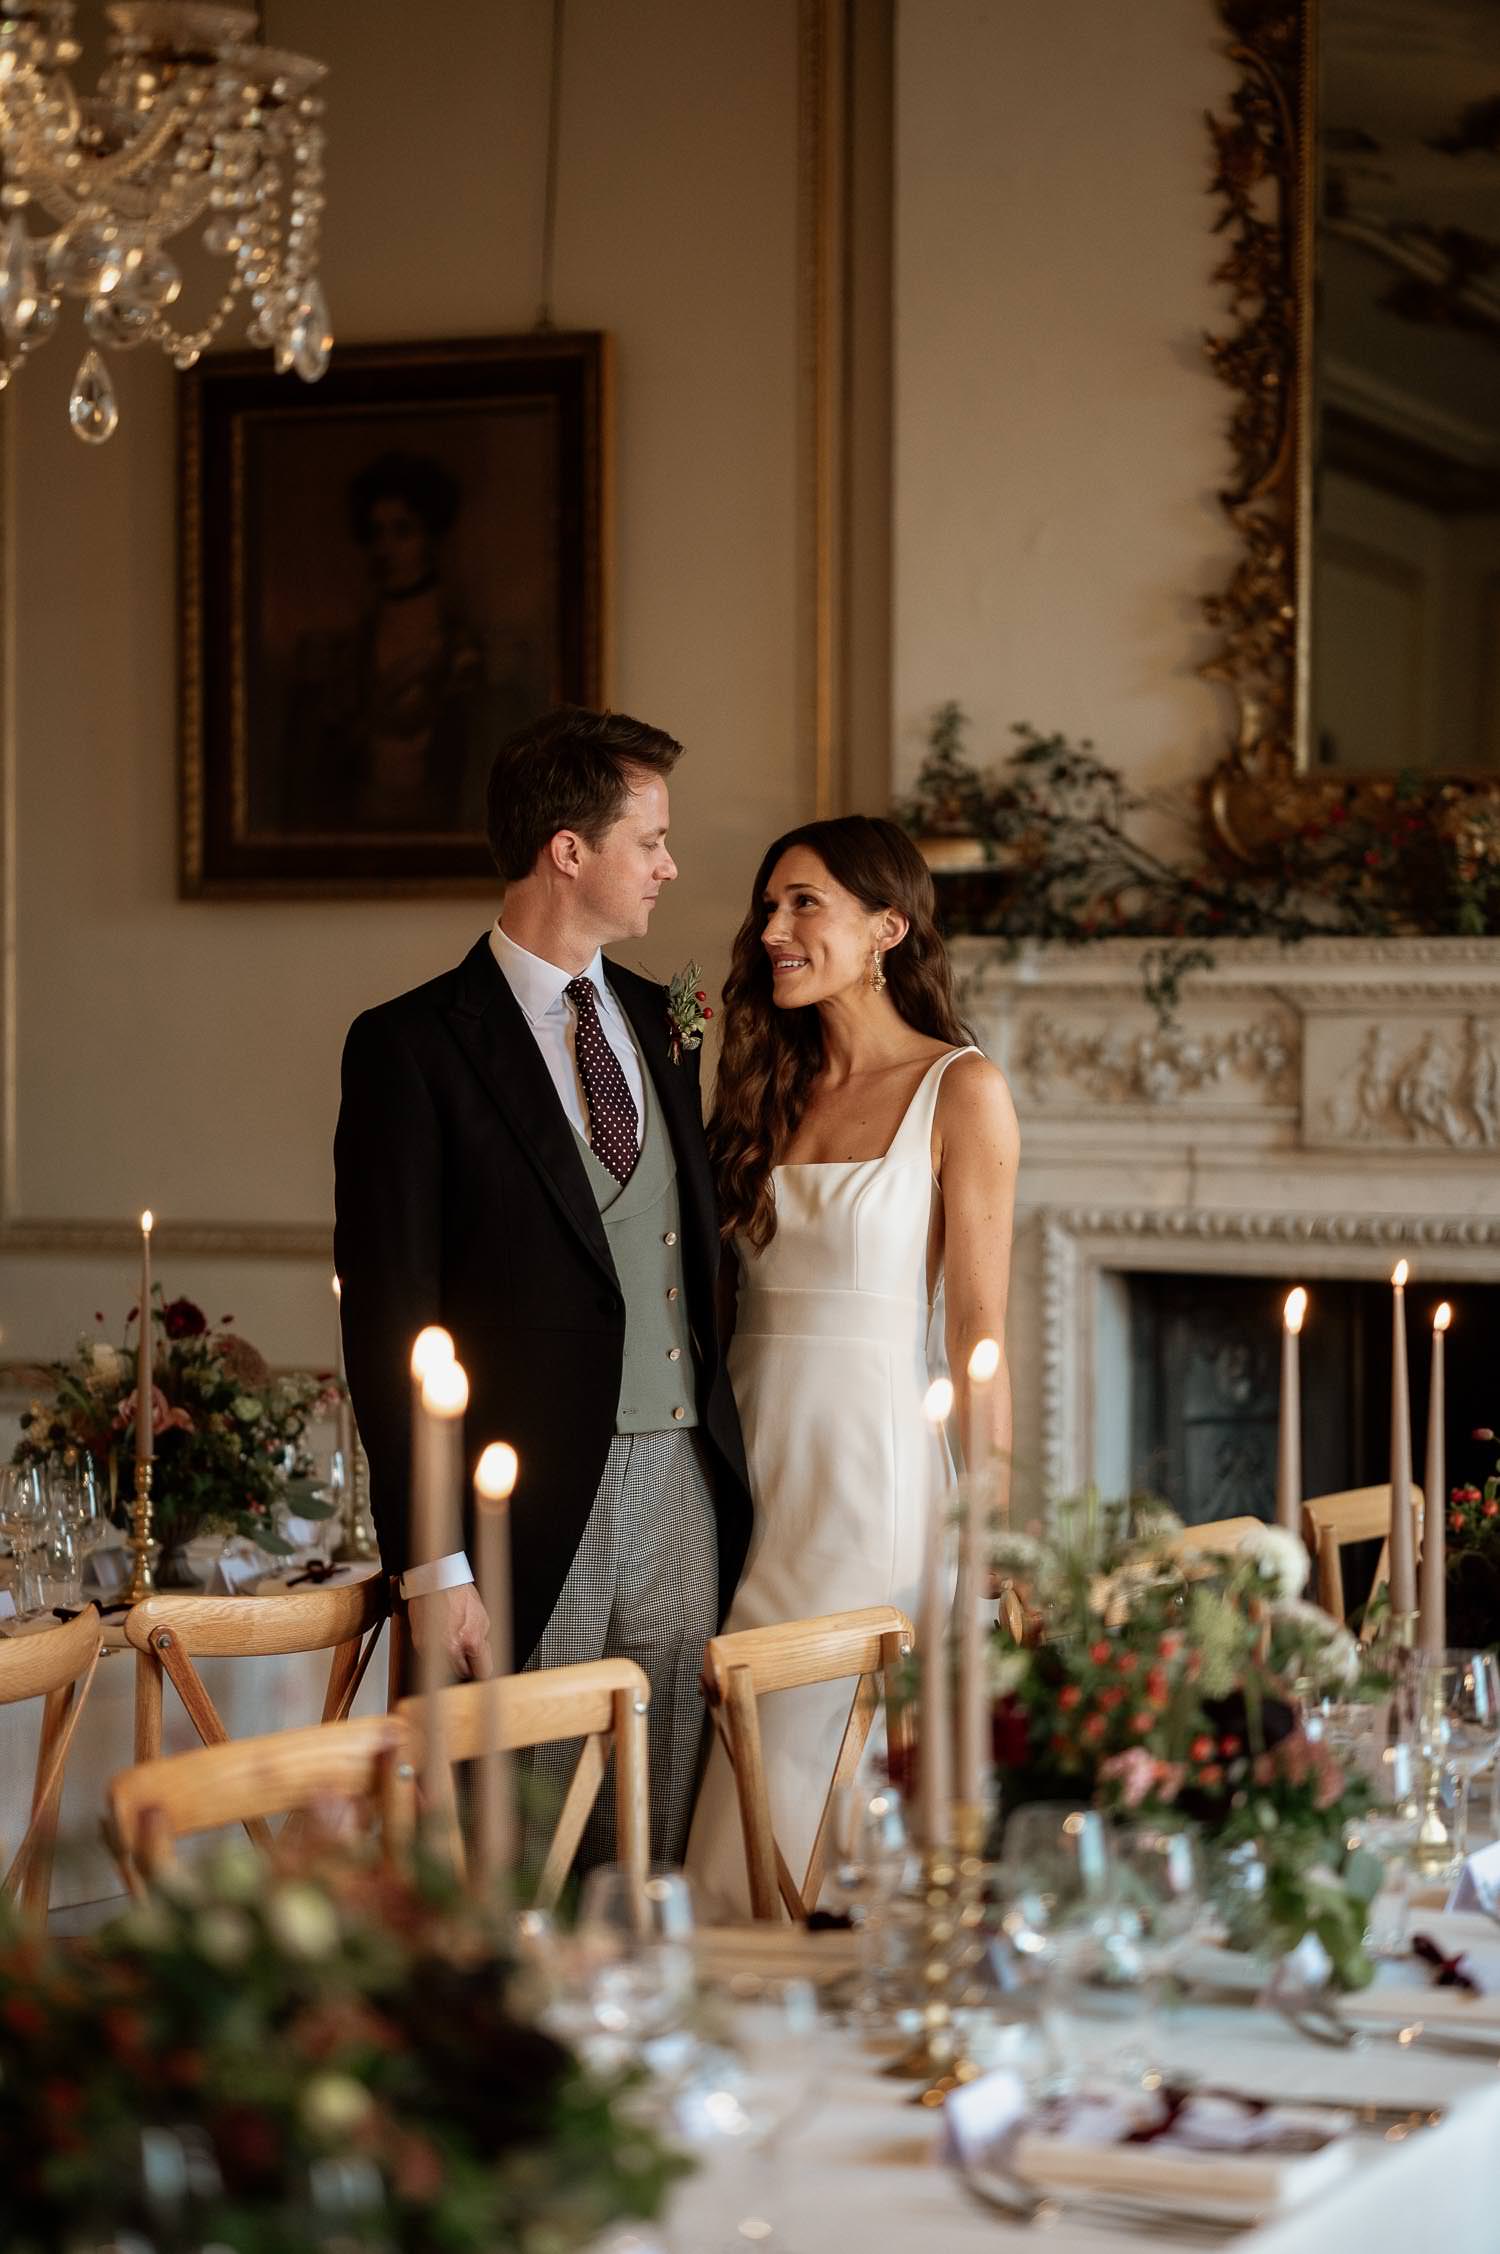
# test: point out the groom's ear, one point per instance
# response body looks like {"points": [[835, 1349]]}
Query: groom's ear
{"points": [[563, 852]]}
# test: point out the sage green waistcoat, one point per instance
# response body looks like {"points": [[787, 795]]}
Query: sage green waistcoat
{"points": [[642, 1223]]}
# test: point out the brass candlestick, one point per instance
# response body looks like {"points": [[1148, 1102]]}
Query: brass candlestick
{"points": [[952, 1940], [142, 1577], [358, 1543]]}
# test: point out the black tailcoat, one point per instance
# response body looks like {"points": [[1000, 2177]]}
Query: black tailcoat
{"points": [[461, 1199]]}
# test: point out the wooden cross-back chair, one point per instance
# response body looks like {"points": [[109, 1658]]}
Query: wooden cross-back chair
{"points": [[1220, 1535], [367, 1764], [741, 1668], [169, 1632], [58, 1667], [603, 1701], [1359, 1514]]}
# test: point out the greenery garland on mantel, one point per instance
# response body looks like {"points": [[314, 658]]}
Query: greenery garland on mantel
{"points": [[1042, 846]]}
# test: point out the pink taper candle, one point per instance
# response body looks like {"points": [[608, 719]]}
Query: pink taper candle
{"points": [[1435, 1511], [973, 1706], [143, 1378], [436, 1471], [494, 1484], [934, 1741], [1289, 1434], [1403, 1545]]}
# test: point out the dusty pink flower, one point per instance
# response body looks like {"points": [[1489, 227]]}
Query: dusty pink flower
{"points": [[164, 1418], [1135, 1771]]}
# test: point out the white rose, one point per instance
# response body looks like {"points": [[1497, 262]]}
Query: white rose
{"points": [[1280, 1554], [106, 1362], [302, 1921], [224, 1935], [246, 1408], [333, 2106]]}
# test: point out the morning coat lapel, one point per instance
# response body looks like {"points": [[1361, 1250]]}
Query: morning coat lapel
{"points": [[490, 1027]]}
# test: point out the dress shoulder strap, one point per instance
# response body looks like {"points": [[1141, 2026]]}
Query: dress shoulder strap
{"points": [[915, 1131]]}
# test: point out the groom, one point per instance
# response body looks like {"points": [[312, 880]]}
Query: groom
{"points": [[520, 1157]]}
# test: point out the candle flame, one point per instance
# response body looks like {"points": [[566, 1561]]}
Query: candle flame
{"points": [[937, 1401], [1399, 1274], [984, 1361], [495, 1473], [431, 1350], [1295, 1309], [148, 1222], [1443, 1317], [445, 1391], [338, 1287]]}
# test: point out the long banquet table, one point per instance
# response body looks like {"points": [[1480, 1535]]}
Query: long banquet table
{"points": [[862, 2176]]}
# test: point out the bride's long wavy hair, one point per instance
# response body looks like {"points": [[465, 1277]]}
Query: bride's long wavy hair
{"points": [[771, 1056]]}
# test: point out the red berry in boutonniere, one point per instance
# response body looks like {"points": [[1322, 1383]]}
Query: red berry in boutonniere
{"points": [[686, 1011]]}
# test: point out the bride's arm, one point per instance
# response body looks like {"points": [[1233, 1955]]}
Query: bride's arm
{"points": [[978, 1150]]}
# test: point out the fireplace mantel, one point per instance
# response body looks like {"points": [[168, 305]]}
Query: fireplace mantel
{"points": [[1314, 1109]]}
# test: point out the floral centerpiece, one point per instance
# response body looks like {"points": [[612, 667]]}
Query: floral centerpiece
{"points": [[229, 1434], [1472, 1554], [1160, 1679], [324, 2054]]}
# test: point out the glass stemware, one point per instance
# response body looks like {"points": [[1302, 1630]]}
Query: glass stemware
{"points": [[23, 1515], [635, 1936], [1458, 1717], [868, 1862], [1056, 1885], [1162, 1906], [1390, 1828], [774, 2032]]}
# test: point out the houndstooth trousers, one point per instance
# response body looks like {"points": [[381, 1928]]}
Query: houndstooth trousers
{"points": [[643, 1585]]}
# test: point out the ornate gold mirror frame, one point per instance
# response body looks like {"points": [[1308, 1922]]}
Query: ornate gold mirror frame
{"points": [[1265, 181]]}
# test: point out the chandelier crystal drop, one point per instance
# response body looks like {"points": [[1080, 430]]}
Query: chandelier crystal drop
{"points": [[190, 121]]}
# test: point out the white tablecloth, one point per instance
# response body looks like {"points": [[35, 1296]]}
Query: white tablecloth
{"points": [[861, 2175]]}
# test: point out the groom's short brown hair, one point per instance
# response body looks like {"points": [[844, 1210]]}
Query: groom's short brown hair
{"points": [[570, 770]]}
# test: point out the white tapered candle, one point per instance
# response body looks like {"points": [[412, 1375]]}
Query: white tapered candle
{"points": [[494, 1483], [144, 1404], [934, 1742], [1435, 1512], [1403, 1549], [979, 1460], [441, 1396], [1289, 1433]]}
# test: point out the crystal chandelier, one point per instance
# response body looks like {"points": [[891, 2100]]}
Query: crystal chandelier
{"points": [[190, 120]]}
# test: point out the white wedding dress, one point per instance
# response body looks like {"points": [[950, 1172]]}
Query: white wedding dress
{"points": [[829, 1363]]}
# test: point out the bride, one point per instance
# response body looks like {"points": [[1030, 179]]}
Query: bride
{"points": [[865, 1153]]}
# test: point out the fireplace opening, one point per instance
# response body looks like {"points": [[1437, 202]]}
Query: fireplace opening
{"points": [[1205, 1370]]}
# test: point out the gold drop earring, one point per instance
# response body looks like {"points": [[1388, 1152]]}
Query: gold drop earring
{"points": [[877, 972]]}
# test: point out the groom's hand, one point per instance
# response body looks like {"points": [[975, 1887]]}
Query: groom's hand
{"points": [[454, 1622]]}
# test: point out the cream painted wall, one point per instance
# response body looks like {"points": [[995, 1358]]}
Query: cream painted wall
{"points": [[1058, 438], [185, 1054]]}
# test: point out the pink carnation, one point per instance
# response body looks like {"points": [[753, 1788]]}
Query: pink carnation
{"points": [[164, 1418]]}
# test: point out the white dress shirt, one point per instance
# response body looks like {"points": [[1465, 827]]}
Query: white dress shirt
{"points": [[539, 987]]}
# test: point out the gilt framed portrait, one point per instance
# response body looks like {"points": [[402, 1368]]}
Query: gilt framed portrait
{"points": [[384, 574]]}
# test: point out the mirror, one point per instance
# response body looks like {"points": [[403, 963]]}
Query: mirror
{"points": [[1401, 602]]}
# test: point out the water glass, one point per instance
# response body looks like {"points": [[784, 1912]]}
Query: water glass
{"points": [[636, 1939], [23, 1516], [1458, 1719], [74, 1493], [59, 1565], [1389, 1828], [1056, 1889], [775, 2034], [869, 1860]]}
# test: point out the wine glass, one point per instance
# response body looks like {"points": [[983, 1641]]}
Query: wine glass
{"points": [[1056, 1884], [636, 1939], [1458, 1709], [1390, 1828], [23, 1511], [1161, 1897], [775, 2034], [869, 1856]]}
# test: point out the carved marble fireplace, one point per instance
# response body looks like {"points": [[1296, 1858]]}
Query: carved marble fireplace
{"points": [[1307, 1111]]}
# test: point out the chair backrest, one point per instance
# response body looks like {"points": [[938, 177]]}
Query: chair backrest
{"points": [[603, 1701], [58, 1666], [368, 1762], [1358, 1514], [169, 1631], [1221, 1535], [740, 1668]]}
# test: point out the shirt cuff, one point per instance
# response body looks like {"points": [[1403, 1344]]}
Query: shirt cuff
{"points": [[449, 1572]]}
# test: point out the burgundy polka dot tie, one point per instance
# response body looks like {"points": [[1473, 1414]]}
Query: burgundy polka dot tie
{"points": [[613, 1126]]}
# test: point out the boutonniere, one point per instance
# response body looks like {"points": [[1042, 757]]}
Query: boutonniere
{"points": [[687, 1010]]}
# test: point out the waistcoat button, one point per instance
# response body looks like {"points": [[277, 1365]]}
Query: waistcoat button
{"points": [[672, 1292], [678, 1415], [674, 1353], [670, 1237]]}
